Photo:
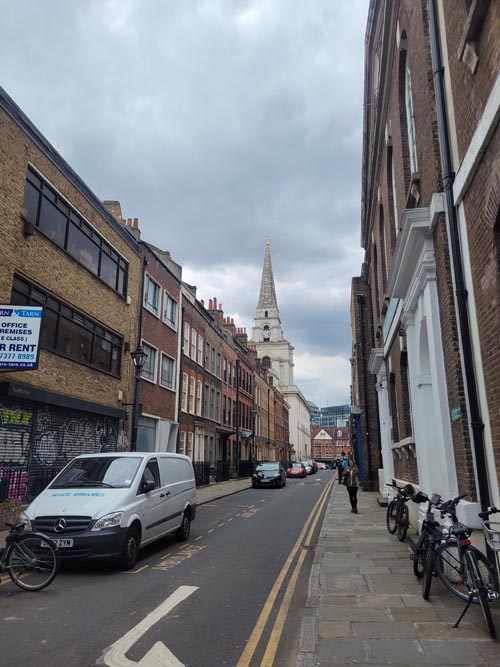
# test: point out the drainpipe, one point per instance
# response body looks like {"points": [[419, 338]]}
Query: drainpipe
{"points": [[237, 452], [476, 422], [180, 379], [361, 300], [137, 375]]}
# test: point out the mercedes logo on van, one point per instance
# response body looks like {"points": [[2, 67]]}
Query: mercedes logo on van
{"points": [[60, 525]]}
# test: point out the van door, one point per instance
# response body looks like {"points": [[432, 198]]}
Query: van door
{"points": [[175, 472], [153, 508]]}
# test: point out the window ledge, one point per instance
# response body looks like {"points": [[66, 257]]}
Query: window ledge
{"points": [[413, 196], [467, 51]]}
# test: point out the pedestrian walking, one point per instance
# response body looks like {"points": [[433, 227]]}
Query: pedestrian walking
{"points": [[340, 469], [350, 478]]}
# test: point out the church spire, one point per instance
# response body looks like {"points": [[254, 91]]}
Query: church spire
{"points": [[267, 296]]}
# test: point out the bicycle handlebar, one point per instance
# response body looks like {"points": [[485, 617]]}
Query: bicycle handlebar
{"points": [[488, 512], [449, 506]]}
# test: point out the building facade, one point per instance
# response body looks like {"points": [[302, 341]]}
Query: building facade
{"points": [[430, 221], [330, 416], [62, 250]]}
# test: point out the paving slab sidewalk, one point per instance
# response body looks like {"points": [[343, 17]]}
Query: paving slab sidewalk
{"points": [[365, 606]]}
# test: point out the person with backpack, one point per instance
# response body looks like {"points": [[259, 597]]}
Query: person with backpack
{"points": [[350, 479]]}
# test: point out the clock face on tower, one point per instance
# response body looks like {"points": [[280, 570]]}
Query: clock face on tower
{"points": [[266, 334]]}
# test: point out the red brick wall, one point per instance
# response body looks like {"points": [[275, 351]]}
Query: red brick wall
{"points": [[157, 400]]}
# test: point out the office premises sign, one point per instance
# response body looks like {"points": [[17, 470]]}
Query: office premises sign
{"points": [[19, 335]]}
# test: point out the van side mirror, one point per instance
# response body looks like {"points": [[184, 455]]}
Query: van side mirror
{"points": [[147, 486]]}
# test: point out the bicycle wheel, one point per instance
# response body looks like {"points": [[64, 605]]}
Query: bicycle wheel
{"points": [[32, 562], [427, 572], [420, 554], [450, 569], [392, 517], [403, 523]]}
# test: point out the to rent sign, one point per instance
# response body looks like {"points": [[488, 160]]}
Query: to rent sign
{"points": [[19, 334]]}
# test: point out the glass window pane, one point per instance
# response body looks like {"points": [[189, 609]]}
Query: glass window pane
{"points": [[49, 194], [148, 370], [20, 285], [74, 341], [122, 282], [33, 178], [19, 299], [116, 360], [108, 270], [52, 223], [167, 372], [101, 357], [30, 204], [83, 249], [49, 329], [151, 295], [170, 314]]}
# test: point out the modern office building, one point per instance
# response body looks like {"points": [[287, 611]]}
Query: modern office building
{"points": [[331, 416]]}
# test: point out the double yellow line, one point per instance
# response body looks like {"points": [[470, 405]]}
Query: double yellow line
{"points": [[279, 623]]}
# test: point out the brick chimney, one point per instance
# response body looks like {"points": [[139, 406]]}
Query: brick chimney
{"points": [[216, 312], [242, 336]]}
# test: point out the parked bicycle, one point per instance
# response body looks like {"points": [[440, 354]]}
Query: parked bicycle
{"points": [[31, 559], [397, 512], [430, 534], [463, 569], [435, 538]]}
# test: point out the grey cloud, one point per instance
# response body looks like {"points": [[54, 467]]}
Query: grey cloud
{"points": [[216, 122]]}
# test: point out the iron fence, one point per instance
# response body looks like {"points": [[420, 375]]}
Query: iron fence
{"points": [[201, 472]]}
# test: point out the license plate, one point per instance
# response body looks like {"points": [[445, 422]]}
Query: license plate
{"points": [[64, 544]]}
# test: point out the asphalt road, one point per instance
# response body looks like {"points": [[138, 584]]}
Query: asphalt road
{"points": [[233, 595]]}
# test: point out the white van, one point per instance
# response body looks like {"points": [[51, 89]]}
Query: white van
{"points": [[108, 506]]}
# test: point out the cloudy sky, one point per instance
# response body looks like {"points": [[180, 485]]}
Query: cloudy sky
{"points": [[216, 123]]}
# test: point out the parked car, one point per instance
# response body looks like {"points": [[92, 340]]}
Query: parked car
{"points": [[296, 469], [269, 474], [108, 506], [310, 465], [321, 465]]}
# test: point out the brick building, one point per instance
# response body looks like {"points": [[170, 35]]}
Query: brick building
{"points": [[283, 447], [156, 423], [329, 442], [62, 250], [200, 381], [430, 230]]}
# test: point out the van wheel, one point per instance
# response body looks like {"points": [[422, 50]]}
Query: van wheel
{"points": [[184, 529], [130, 551]]}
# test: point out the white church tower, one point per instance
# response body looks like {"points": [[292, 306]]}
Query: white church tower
{"points": [[267, 334], [276, 354]]}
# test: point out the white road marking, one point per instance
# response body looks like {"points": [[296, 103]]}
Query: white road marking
{"points": [[158, 655]]}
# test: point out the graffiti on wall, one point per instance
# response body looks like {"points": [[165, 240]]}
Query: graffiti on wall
{"points": [[60, 435], [15, 432], [36, 443]]}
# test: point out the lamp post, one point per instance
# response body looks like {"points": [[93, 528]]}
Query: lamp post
{"points": [[139, 358], [253, 414]]}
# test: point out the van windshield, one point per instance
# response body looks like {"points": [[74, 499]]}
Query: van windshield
{"points": [[115, 472]]}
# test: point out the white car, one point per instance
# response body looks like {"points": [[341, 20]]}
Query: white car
{"points": [[108, 506]]}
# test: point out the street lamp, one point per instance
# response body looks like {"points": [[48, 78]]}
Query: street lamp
{"points": [[139, 358]]}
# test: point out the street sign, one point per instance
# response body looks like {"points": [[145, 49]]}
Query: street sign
{"points": [[19, 335], [455, 413]]}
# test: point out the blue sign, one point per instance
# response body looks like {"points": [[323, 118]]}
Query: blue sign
{"points": [[19, 337]]}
